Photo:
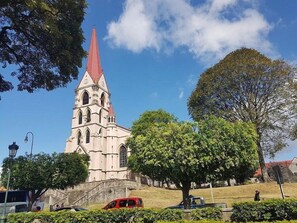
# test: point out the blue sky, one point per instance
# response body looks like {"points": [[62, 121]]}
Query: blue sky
{"points": [[152, 53]]}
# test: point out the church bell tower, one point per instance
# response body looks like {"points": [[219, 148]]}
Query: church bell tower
{"points": [[94, 130]]}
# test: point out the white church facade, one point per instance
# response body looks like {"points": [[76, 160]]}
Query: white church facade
{"points": [[94, 130]]}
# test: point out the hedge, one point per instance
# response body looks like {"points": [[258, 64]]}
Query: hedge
{"points": [[136, 215], [215, 221], [270, 210]]}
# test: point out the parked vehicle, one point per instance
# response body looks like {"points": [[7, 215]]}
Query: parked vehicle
{"points": [[130, 202], [16, 201], [71, 208], [197, 202]]}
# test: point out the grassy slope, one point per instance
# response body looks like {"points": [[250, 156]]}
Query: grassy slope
{"points": [[160, 198]]}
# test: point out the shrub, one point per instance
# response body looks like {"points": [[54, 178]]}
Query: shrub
{"points": [[201, 221], [207, 213], [270, 210], [215, 221], [134, 215]]}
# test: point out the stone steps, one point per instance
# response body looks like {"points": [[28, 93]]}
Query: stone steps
{"points": [[90, 193]]}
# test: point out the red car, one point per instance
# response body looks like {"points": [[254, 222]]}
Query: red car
{"points": [[129, 202]]}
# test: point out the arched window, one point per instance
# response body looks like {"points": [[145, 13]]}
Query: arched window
{"points": [[111, 119], [79, 117], [88, 115], [102, 99], [123, 156], [100, 114], [85, 98], [88, 136], [78, 137]]}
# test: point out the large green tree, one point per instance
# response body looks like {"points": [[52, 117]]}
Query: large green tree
{"points": [[43, 39], [231, 149], [145, 121], [41, 172], [250, 87], [183, 152], [151, 117]]}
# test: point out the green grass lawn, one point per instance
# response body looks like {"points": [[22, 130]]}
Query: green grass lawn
{"points": [[160, 198]]}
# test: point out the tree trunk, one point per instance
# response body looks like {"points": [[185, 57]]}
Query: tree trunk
{"points": [[30, 203], [168, 184], [33, 195], [186, 190], [264, 172]]}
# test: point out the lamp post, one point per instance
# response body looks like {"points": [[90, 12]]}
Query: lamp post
{"points": [[13, 148], [26, 140]]}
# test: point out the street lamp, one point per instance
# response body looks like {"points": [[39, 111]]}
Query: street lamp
{"points": [[26, 140], [13, 148]]}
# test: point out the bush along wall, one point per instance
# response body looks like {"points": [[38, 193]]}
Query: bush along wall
{"points": [[206, 213], [216, 221], [270, 210], [116, 216]]}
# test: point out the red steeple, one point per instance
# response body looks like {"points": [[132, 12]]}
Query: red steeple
{"points": [[94, 66]]}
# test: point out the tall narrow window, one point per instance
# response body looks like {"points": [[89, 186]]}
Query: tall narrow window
{"points": [[102, 99], [88, 136], [100, 116], [78, 137], [79, 117], [85, 98], [123, 156], [88, 115]]}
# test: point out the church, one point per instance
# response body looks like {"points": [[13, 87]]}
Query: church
{"points": [[94, 130]]}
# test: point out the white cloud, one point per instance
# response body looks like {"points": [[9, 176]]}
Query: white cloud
{"points": [[154, 94], [192, 80], [216, 6], [134, 30], [181, 93], [209, 30]]}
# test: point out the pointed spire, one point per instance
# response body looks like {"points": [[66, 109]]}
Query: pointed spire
{"points": [[94, 65]]}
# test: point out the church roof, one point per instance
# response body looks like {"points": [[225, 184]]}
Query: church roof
{"points": [[110, 111], [94, 64]]}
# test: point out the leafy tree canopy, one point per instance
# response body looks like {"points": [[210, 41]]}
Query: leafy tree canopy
{"points": [[250, 87], [231, 149], [183, 152], [41, 172], [151, 117], [43, 38]]}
